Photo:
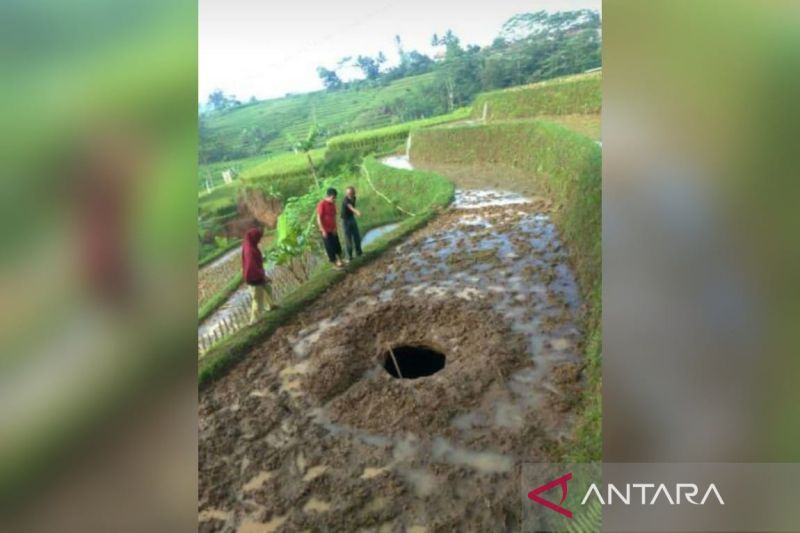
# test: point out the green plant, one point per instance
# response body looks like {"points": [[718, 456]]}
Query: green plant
{"points": [[221, 242]]}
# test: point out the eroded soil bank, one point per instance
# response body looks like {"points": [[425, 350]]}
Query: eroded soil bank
{"points": [[310, 432]]}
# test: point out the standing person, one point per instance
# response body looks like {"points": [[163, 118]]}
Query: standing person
{"points": [[254, 275], [352, 238], [326, 220]]}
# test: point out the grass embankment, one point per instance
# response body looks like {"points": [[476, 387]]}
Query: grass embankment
{"points": [[566, 167], [388, 137], [423, 193], [569, 95], [283, 166]]}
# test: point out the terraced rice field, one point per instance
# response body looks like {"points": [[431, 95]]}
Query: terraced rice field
{"points": [[318, 429]]}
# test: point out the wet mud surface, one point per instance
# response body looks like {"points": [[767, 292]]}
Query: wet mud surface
{"points": [[310, 431]]}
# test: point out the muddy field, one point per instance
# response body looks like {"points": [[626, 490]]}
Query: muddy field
{"points": [[313, 431]]}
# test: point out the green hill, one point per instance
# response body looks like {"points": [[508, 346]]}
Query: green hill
{"points": [[264, 128]]}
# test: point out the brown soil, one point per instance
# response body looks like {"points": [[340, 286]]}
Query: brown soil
{"points": [[470, 335], [263, 208], [309, 432]]}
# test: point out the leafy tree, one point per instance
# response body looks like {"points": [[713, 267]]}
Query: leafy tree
{"points": [[329, 78], [219, 102], [371, 67], [305, 146], [418, 63]]}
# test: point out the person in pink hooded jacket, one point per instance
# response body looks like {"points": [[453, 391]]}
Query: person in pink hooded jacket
{"points": [[254, 275]]}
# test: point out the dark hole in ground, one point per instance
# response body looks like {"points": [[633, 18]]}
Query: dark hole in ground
{"points": [[414, 361]]}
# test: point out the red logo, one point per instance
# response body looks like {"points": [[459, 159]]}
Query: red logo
{"points": [[562, 482]]}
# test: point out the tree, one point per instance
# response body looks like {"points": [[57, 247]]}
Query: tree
{"points": [[369, 66], [418, 63], [217, 100], [305, 146], [329, 78], [402, 56]]}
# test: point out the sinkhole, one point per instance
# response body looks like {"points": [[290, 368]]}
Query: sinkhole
{"points": [[413, 361]]}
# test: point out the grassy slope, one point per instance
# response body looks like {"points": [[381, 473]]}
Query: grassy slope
{"points": [[404, 187], [566, 167], [334, 111], [580, 94]]}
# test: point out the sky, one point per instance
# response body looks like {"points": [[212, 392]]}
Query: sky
{"points": [[267, 49]]}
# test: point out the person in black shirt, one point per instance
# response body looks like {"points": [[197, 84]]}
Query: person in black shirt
{"points": [[352, 237]]}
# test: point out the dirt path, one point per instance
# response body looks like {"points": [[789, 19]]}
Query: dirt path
{"points": [[311, 432]]}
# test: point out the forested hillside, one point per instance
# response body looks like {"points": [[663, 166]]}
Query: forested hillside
{"points": [[530, 47]]}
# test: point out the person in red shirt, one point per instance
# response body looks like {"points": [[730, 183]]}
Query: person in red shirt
{"points": [[326, 220], [254, 275]]}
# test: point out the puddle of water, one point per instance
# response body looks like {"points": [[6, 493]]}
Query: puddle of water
{"points": [[508, 415], [422, 482], [480, 198], [397, 161], [406, 449], [224, 258], [483, 462], [375, 233]]}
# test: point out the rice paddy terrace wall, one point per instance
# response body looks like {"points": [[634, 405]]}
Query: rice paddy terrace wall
{"points": [[579, 94], [564, 166], [388, 137]]}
